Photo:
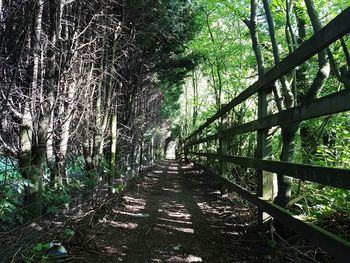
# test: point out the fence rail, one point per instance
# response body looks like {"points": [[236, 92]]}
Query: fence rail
{"points": [[334, 103], [326, 240], [327, 105], [334, 30], [335, 177]]}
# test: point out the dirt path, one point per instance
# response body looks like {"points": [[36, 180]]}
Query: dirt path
{"points": [[174, 214]]}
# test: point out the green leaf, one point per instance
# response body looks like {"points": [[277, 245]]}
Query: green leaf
{"points": [[38, 247]]}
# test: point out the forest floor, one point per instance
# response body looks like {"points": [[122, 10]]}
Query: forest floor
{"points": [[174, 213]]}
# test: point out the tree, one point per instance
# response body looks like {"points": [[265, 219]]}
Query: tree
{"points": [[85, 80]]}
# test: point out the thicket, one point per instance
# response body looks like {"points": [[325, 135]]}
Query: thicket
{"points": [[82, 85]]}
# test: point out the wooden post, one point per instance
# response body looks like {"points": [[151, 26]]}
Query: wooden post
{"points": [[207, 144], [221, 163], [265, 180], [220, 149], [196, 148], [199, 149], [185, 147]]}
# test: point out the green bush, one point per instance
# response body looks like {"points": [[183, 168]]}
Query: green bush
{"points": [[56, 198], [11, 193]]}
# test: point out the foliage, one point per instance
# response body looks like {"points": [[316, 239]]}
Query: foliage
{"points": [[75, 167], [323, 204], [228, 66], [119, 188], [148, 63], [12, 186], [330, 148], [69, 233], [335, 151], [39, 247], [86, 62], [38, 253], [171, 104], [42, 252], [56, 198]]}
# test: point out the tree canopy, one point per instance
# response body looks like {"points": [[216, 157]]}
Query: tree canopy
{"points": [[92, 91]]}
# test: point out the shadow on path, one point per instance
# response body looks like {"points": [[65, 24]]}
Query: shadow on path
{"points": [[176, 214]]}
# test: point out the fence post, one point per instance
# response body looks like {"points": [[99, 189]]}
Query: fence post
{"points": [[265, 180], [221, 147]]}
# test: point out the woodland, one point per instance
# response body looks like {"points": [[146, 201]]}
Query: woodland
{"points": [[82, 86], [92, 92], [239, 42]]}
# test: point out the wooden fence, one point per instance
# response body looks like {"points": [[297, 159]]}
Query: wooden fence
{"points": [[327, 105]]}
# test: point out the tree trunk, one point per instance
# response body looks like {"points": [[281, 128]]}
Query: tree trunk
{"points": [[285, 91], [50, 154], [251, 24], [195, 98], [38, 147], [113, 151], [25, 154], [51, 84], [302, 83], [289, 132]]}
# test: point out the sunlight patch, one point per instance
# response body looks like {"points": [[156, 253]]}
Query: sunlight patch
{"points": [[203, 205], [175, 221], [171, 190], [167, 205], [36, 226], [207, 208], [231, 233], [176, 214], [130, 214], [135, 208], [192, 258], [134, 200], [179, 215], [128, 225], [176, 186], [113, 250]]}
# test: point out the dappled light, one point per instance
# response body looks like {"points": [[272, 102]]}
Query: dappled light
{"points": [[189, 258], [124, 225], [172, 215], [175, 221], [174, 131], [129, 213], [171, 190], [176, 209], [172, 227]]}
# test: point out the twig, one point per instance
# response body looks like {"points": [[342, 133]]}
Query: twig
{"points": [[18, 250], [294, 248]]}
